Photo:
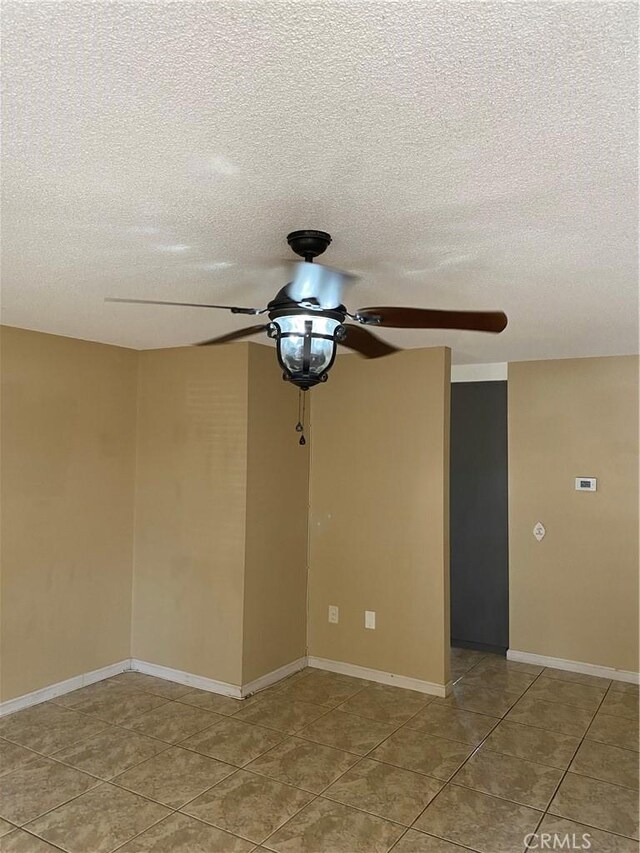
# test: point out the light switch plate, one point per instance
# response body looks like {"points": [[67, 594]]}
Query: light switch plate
{"points": [[370, 619]]}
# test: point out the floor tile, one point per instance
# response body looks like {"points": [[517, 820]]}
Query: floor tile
{"points": [[417, 842], [179, 833], [282, 714], [384, 790], [625, 687], [609, 763], [112, 751], [600, 842], [413, 743], [279, 687], [13, 756], [304, 764], [98, 821], [451, 723], [577, 677], [324, 689], [118, 708], [292, 679], [213, 702], [174, 777], [565, 719], [173, 722], [499, 679], [456, 672], [151, 684], [348, 732], [96, 691], [465, 657], [492, 662], [539, 745], [38, 787], [617, 731], [618, 704], [510, 778], [5, 827], [233, 742], [567, 693], [248, 805], [478, 821], [47, 728], [386, 704], [598, 804], [333, 828], [414, 750], [21, 842], [483, 700]]}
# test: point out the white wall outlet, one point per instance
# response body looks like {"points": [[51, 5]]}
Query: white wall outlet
{"points": [[539, 531], [370, 619], [334, 614]]}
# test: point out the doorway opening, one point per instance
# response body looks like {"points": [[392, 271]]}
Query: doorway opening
{"points": [[479, 517]]}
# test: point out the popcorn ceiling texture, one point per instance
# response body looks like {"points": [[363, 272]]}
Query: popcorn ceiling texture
{"points": [[463, 155]]}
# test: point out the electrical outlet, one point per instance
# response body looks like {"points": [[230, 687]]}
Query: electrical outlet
{"points": [[334, 614], [370, 619]]}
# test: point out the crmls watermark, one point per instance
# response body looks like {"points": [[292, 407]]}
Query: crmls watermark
{"points": [[557, 841]]}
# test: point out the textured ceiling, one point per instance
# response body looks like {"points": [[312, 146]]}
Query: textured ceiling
{"points": [[462, 154]]}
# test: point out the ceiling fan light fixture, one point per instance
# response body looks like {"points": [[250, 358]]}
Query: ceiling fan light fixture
{"points": [[306, 344], [307, 318]]}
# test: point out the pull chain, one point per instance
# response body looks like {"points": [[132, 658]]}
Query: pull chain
{"points": [[302, 404]]}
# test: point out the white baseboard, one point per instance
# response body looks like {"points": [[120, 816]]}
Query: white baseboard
{"points": [[222, 687], [62, 687], [199, 682], [272, 677], [575, 666], [381, 677]]}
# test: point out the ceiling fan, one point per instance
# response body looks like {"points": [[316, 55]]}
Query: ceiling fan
{"points": [[307, 317]]}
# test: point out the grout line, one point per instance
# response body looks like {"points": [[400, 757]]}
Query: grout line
{"points": [[32, 835], [138, 834]]}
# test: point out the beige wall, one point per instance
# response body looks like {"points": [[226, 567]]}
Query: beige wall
{"points": [[221, 499], [68, 440], [275, 587], [379, 522], [190, 509], [221, 514], [575, 594]]}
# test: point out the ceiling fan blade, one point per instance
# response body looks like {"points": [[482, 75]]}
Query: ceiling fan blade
{"points": [[430, 318], [232, 308], [232, 336], [315, 282], [366, 343]]}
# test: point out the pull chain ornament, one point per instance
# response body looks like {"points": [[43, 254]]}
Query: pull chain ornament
{"points": [[302, 404]]}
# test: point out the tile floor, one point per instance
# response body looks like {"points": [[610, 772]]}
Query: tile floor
{"points": [[324, 763]]}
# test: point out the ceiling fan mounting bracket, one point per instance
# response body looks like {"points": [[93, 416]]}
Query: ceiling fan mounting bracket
{"points": [[308, 244]]}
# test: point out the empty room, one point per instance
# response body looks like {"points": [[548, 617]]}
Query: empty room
{"points": [[319, 426]]}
